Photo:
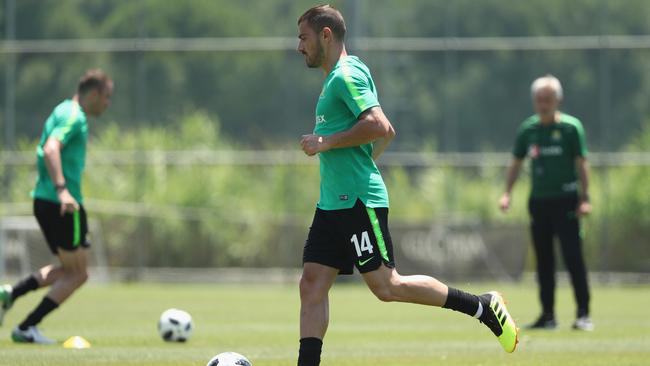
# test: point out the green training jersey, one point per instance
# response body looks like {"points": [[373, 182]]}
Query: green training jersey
{"points": [[67, 123], [347, 174], [553, 150]]}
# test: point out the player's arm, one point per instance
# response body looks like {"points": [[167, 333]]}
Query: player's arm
{"points": [[52, 157], [372, 126], [582, 166], [518, 154], [511, 177], [381, 144]]}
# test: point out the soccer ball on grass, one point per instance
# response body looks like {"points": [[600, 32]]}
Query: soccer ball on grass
{"points": [[175, 325], [229, 359]]}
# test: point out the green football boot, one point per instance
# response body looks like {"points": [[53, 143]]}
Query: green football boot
{"points": [[499, 321], [5, 301]]}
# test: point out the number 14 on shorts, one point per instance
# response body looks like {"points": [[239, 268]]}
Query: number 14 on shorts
{"points": [[364, 245]]}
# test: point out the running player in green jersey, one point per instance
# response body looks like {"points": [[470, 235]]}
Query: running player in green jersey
{"points": [[58, 204], [555, 143], [350, 226]]}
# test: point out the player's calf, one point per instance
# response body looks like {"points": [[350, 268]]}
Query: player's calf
{"points": [[78, 279], [62, 289], [315, 283], [388, 285], [75, 274]]}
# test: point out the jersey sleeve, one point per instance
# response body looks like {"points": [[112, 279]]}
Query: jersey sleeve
{"points": [[579, 141], [521, 148], [69, 125], [354, 89]]}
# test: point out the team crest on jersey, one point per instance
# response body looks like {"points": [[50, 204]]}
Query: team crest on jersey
{"points": [[320, 119], [556, 135]]}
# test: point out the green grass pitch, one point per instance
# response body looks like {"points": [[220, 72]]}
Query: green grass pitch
{"points": [[261, 322]]}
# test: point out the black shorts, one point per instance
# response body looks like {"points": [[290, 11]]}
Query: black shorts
{"points": [[68, 232], [343, 239]]}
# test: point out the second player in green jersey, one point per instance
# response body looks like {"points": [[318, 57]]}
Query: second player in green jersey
{"points": [[58, 205], [67, 124]]}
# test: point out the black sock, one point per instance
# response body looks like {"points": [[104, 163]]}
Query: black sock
{"points": [[24, 286], [463, 302], [309, 354], [46, 306]]}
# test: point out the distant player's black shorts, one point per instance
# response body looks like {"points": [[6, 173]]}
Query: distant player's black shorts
{"points": [[352, 237], [68, 232]]}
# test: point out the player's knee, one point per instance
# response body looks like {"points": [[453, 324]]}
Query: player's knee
{"points": [[384, 291], [82, 277], [77, 277], [311, 290], [386, 287], [384, 295]]}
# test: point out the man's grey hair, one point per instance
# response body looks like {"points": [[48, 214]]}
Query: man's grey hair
{"points": [[547, 81]]}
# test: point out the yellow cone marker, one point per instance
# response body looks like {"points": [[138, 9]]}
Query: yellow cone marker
{"points": [[76, 342]]}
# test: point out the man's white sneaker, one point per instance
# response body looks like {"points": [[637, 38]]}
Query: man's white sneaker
{"points": [[583, 323], [31, 335]]}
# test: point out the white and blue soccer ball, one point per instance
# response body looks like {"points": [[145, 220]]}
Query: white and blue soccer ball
{"points": [[175, 325], [229, 359]]}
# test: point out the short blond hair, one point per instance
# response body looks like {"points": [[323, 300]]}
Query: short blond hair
{"points": [[547, 81]]}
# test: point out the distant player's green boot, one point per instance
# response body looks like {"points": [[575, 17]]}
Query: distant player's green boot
{"points": [[499, 321], [6, 301]]}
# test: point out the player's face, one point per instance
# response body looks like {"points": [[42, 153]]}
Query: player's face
{"points": [[310, 45], [101, 99], [546, 102]]}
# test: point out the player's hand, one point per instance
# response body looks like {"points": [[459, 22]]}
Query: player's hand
{"points": [[584, 208], [68, 203], [504, 202], [313, 144]]}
